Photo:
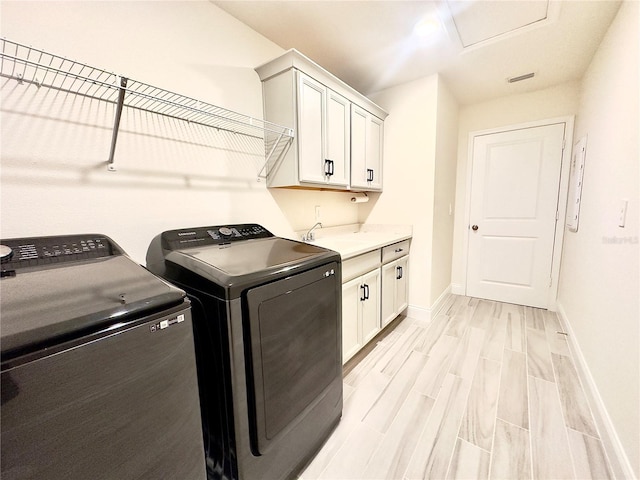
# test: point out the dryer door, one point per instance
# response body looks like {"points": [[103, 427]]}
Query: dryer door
{"points": [[295, 330]]}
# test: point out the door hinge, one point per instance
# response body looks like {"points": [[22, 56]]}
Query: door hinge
{"points": [[557, 215]]}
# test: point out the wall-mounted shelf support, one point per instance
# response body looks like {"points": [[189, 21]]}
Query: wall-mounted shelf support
{"points": [[116, 125], [32, 66]]}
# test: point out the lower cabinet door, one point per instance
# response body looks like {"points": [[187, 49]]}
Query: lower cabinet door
{"points": [[370, 305], [351, 338], [388, 293], [402, 292], [394, 291]]}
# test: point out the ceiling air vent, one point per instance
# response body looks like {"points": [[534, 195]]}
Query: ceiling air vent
{"points": [[521, 77]]}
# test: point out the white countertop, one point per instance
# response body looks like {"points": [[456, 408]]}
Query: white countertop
{"points": [[352, 240]]}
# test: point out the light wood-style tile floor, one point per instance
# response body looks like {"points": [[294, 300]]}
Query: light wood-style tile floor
{"points": [[484, 390]]}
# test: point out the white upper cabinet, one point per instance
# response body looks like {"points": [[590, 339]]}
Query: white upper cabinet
{"points": [[366, 150], [323, 134], [336, 128], [338, 138]]}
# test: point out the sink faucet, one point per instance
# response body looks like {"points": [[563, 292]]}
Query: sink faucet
{"points": [[309, 236]]}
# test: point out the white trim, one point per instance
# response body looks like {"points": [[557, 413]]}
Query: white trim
{"points": [[562, 199], [613, 446], [421, 313], [458, 288]]}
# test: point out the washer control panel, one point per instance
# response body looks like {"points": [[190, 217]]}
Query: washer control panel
{"points": [[217, 235], [18, 253]]}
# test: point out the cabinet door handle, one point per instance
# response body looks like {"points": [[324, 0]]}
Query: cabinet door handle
{"points": [[369, 175], [328, 167], [364, 293], [399, 273]]}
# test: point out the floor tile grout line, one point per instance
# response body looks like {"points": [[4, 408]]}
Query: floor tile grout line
{"points": [[564, 417], [530, 430], [495, 419], [466, 403]]}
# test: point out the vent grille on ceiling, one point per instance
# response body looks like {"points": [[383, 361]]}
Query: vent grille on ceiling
{"points": [[521, 77]]}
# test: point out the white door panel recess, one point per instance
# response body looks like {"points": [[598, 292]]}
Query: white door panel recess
{"points": [[515, 182]]}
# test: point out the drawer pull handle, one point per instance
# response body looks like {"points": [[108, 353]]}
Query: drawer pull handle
{"points": [[398, 250]]}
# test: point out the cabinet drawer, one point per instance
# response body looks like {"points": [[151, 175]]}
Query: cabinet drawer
{"points": [[360, 265], [397, 250]]}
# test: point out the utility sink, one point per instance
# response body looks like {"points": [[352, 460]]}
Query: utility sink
{"points": [[352, 243]]}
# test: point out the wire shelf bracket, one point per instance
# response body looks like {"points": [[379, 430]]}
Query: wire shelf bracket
{"points": [[29, 65]]}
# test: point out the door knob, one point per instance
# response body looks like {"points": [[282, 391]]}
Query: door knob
{"points": [[474, 227]]}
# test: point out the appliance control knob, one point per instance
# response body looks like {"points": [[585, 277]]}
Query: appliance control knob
{"points": [[6, 252], [225, 231]]}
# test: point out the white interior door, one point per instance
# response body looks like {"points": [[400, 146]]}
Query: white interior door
{"points": [[514, 203]]}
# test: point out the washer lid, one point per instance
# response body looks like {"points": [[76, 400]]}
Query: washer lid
{"points": [[252, 256], [41, 306], [232, 268]]}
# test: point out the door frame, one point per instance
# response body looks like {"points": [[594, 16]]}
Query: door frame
{"points": [[563, 192]]}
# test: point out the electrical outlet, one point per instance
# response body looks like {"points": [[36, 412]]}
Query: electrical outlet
{"points": [[622, 213], [317, 213]]}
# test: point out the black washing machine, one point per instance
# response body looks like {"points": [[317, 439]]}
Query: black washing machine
{"points": [[98, 366], [267, 324]]}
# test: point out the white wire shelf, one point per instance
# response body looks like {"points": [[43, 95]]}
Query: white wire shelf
{"points": [[33, 66]]}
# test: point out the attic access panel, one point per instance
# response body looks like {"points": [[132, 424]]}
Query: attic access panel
{"points": [[477, 21]]}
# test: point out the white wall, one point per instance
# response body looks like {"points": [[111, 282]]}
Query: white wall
{"points": [[419, 181], [444, 191], [409, 156], [599, 287], [55, 146], [558, 101]]}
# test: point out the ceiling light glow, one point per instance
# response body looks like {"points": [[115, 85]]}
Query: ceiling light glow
{"points": [[427, 27]]}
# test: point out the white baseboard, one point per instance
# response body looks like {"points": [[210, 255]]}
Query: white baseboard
{"points": [[610, 440], [421, 313], [457, 289]]}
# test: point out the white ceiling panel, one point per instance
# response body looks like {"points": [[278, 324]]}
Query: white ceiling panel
{"points": [[478, 21], [371, 45]]}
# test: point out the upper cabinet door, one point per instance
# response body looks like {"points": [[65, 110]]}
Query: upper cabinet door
{"points": [[366, 150], [311, 128], [338, 139], [375, 136], [358, 147], [323, 134]]}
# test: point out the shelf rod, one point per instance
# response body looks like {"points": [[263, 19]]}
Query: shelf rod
{"points": [[123, 90]]}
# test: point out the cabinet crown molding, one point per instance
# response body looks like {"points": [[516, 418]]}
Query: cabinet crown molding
{"points": [[294, 59]]}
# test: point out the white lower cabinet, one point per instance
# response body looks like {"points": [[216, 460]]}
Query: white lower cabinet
{"points": [[360, 312], [394, 289], [374, 292]]}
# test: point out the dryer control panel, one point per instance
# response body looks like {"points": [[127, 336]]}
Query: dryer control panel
{"points": [[16, 253], [215, 235]]}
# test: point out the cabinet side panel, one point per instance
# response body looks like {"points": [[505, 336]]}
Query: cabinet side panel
{"points": [[279, 99], [375, 137]]}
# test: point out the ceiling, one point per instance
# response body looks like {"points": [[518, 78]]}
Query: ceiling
{"points": [[477, 45]]}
